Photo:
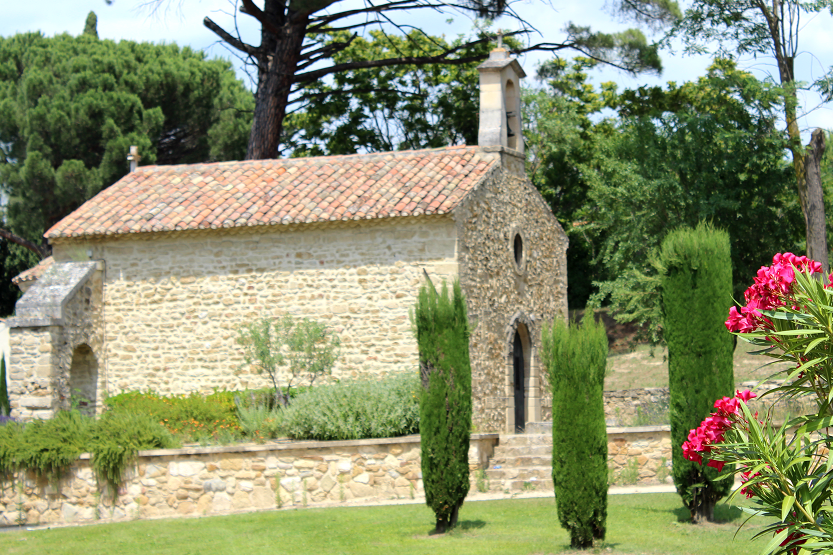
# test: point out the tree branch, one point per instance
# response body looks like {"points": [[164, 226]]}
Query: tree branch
{"points": [[230, 40], [442, 58], [9, 236], [249, 8]]}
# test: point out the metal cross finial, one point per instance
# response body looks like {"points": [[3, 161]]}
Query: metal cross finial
{"points": [[500, 38]]}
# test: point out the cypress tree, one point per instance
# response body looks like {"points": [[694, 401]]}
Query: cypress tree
{"points": [[5, 406], [575, 357], [696, 288], [445, 405]]}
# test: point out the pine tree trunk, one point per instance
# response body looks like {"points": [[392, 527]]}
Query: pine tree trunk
{"points": [[806, 167], [276, 73], [703, 511], [814, 215]]}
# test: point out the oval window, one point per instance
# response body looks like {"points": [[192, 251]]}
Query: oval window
{"points": [[519, 250]]}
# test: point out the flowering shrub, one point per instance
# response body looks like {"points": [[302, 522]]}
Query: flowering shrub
{"points": [[785, 469]]}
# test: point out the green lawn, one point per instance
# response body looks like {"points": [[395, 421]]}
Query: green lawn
{"points": [[644, 524]]}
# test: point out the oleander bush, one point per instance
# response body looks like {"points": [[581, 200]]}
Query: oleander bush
{"points": [[353, 410]]}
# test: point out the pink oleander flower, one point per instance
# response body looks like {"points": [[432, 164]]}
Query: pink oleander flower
{"points": [[771, 288], [713, 428]]}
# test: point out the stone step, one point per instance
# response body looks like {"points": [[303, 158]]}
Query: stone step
{"points": [[521, 460], [505, 453], [518, 440], [519, 473]]}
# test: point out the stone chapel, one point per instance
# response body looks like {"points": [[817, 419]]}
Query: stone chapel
{"points": [[152, 276]]}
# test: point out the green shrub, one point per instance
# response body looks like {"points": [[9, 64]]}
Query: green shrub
{"points": [[260, 422], [116, 438], [49, 447], [442, 332], [192, 417], [352, 410], [696, 286], [308, 348], [575, 358]]}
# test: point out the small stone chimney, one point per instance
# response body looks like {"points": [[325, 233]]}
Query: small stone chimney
{"points": [[500, 100], [133, 157]]}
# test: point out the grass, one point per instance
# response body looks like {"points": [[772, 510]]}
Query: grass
{"points": [[644, 524], [638, 368]]}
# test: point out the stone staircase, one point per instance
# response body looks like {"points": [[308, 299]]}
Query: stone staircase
{"points": [[521, 463]]}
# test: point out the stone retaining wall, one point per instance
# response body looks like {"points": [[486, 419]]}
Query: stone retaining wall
{"points": [[200, 481], [639, 455]]}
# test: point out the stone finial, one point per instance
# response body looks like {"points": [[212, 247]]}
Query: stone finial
{"points": [[500, 100]]}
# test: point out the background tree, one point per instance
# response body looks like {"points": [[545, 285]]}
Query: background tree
{"points": [[704, 150], [696, 279], [70, 107], [741, 27], [576, 358], [445, 407], [295, 51]]}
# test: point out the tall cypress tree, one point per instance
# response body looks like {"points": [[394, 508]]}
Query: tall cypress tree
{"points": [[696, 287], [5, 406], [445, 402], [576, 357]]}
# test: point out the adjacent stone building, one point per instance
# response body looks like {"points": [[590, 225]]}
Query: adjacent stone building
{"points": [[152, 276]]}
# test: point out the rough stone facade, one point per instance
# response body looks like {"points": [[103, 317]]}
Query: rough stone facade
{"points": [[164, 312], [49, 339], [172, 304], [505, 295]]}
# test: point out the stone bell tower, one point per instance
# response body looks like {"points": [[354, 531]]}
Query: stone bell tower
{"points": [[500, 100]]}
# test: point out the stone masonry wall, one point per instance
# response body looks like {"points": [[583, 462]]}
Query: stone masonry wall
{"points": [[172, 302], [219, 480], [31, 381], [502, 294], [41, 355]]}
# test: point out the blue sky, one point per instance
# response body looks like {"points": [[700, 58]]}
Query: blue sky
{"points": [[180, 21]]}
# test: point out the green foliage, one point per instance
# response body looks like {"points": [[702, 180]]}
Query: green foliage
{"points": [[696, 287], [192, 417], [575, 358], [117, 437], [389, 108], [705, 150], [70, 107], [49, 447], [5, 406], [350, 410], [445, 407], [307, 347]]}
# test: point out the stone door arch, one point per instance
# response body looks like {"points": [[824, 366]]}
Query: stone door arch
{"points": [[83, 379], [523, 382]]}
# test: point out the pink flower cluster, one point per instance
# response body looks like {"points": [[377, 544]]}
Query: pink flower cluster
{"points": [[713, 428], [772, 288]]}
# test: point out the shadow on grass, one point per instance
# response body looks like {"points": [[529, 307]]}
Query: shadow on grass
{"points": [[723, 514], [462, 526]]}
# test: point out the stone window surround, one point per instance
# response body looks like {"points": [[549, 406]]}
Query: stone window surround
{"points": [[517, 231]]}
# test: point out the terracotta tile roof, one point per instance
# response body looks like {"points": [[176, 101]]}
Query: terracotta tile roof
{"points": [[280, 192], [35, 272]]}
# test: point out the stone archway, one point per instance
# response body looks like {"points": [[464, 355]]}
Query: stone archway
{"points": [[523, 383], [83, 379]]}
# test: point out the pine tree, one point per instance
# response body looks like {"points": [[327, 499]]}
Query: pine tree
{"points": [[576, 357], [696, 286], [445, 405]]}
